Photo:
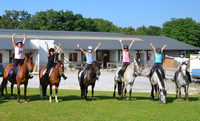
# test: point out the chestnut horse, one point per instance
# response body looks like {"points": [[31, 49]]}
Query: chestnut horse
{"points": [[90, 78], [54, 79], [22, 77]]}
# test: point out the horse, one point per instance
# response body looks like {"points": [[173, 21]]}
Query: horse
{"points": [[181, 79], [128, 78], [90, 78], [157, 84], [54, 79], [22, 77]]}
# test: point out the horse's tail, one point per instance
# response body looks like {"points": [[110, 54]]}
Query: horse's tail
{"points": [[119, 87], [43, 87], [4, 85]]}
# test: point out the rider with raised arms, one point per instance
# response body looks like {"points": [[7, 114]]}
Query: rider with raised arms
{"points": [[51, 60], [19, 55], [89, 57], [126, 59], [158, 60]]}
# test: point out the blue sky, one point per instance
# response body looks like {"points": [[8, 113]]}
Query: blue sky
{"points": [[122, 13]]}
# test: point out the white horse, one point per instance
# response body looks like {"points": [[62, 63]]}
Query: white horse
{"points": [[181, 79], [128, 78], [157, 84]]}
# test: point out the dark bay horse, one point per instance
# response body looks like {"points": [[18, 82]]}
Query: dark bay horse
{"points": [[181, 79], [157, 84], [90, 78], [54, 79], [21, 77]]}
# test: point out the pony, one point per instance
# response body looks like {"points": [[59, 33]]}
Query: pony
{"points": [[54, 79], [90, 78], [181, 79], [22, 77], [157, 84], [128, 78]]}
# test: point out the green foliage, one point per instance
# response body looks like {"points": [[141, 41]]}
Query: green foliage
{"points": [[105, 108], [185, 30]]}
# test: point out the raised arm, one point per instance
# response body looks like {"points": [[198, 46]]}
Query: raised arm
{"points": [[47, 48], [193, 58], [154, 49], [99, 44], [58, 48], [121, 44], [81, 49], [169, 57], [163, 48], [13, 40], [131, 44], [24, 41]]}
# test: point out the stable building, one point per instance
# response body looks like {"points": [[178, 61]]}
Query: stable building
{"points": [[109, 52]]}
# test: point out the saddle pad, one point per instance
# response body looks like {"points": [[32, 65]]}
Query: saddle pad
{"points": [[46, 70], [11, 71]]}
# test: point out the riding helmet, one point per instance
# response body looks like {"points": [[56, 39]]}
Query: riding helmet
{"points": [[158, 50], [51, 50], [90, 47], [18, 42], [125, 47]]}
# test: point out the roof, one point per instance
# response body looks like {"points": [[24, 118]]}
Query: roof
{"points": [[109, 41]]}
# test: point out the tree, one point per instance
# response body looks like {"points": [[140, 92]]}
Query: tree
{"points": [[185, 30], [141, 30], [153, 30]]}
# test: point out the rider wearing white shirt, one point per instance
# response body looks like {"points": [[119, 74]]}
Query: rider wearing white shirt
{"points": [[180, 60]]}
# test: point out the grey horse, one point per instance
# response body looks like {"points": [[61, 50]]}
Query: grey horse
{"points": [[128, 78], [181, 79], [157, 84]]}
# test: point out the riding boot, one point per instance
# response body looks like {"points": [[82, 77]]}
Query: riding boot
{"points": [[45, 77], [14, 71], [189, 77], [63, 75], [30, 76], [120, 72]]}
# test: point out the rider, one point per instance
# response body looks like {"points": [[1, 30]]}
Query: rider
{"points": [[158, 60], [89, 57], [180, 60], [126, 59], [51, 60], [18, 58]]}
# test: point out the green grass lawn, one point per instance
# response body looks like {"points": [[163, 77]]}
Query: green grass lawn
{"points": [[105, 107]]}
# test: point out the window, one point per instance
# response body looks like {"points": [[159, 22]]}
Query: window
{"points": [[1, 58], [73, 56]]}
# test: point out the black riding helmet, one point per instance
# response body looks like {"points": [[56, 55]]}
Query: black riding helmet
{"points": [[51, 50], [125, 47], [158, 50], [18, 43]]}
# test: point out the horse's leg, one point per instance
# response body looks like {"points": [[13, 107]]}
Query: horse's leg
{"points": [[56, 96], [152, 92], [130, 91], [18, 92], [186, 93], [176, 92], [25, 90], [84, 93], [179, 89], [11, 86], [50, 97], [3, 85], [114, 89], [93, 92]]}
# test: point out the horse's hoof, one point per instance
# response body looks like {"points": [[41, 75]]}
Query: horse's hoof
{"points": [[130, 100], [18, 102], [50, 101], [2, 97], [57, 101], [93, 99], [124, 99], [180, 100], [25, 101], [188, 101], [12, 97]]}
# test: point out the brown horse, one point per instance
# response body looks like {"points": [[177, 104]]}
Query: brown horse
{"points": [[92, 75], [21, 77], [54, 79]]}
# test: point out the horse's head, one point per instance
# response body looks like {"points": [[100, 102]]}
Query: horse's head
{"points": [[162, 95], [136, 67], [59, 66], [183, 69], [29, 63], [96, 67]]}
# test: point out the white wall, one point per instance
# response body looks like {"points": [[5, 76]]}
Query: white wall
{"points": [[113, 56], [5, 57], [66, 53]]}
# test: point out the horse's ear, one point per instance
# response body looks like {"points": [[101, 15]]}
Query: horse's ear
{"points": [[57, 61]]}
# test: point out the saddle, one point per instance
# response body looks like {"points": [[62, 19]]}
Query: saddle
{"points": [[158, 70], [46, 74], [11, 72], [121, 71]]}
